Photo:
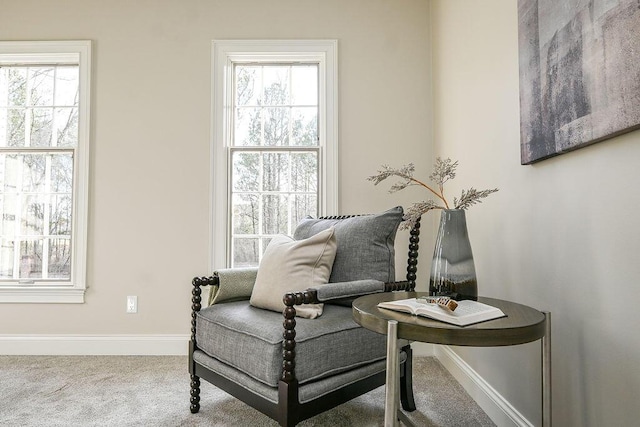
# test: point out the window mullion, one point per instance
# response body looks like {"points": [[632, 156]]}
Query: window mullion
{"points": [[229, 197], [18, 221], [260, 231], [290, 163], [53, 141], [46, 226], [28, 114], [290, 195]]}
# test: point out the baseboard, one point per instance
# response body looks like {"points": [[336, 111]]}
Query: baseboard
{"points": [[94, 345], [492, 403]]}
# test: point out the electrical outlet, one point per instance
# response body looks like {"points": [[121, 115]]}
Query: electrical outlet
{"points": [[132, 304]]}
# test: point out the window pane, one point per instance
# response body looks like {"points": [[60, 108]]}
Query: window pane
{"points": [[31, 259], [66, 93], [59, 259], [41, 83], [276, 85], [245, 252], [246, 171], [9, 172], [32, 216], [33, 172], [15, 127], [275, 171], [275, 214], [61, 173], [276, 126], [305, 126], [248, 85], [60, 215], [304, 172], [248, 127], [66, 127], [4, 86], [6, 258], [17, 82], [3, 124], [41, 127], [304, 82], [8, 204], [303, 205], [246, 214]]}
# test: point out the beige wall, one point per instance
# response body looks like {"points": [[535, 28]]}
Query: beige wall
{"points": [[149, 205], [561, 235]]}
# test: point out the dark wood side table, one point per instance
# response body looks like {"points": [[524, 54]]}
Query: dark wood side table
{"points": [[523, 324]]}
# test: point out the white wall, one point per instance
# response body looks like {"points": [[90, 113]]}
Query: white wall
{"points": [[561, 235], [149, 193]]}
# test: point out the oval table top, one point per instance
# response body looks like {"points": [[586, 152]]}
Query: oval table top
{"points": [[523, 324]]}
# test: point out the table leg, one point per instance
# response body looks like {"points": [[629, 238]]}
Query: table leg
{"points": [[546, 372], [393, 380]]}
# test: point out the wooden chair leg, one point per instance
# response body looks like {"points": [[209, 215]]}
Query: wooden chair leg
{"points": [[406, 381], [195, 394]]}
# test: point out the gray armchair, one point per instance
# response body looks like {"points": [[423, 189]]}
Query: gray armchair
{"points": [[293, 368]]}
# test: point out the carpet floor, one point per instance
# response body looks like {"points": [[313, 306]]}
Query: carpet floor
{"points": [[83, 391]]}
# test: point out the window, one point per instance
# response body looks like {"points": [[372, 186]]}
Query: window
{"points": [[44, 112], [274, 147]]}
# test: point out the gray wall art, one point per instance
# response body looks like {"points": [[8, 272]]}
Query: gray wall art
{"points": [[579, 73]]}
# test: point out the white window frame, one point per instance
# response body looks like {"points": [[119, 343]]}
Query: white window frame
{"points": [[61, 52], [224, 54]]}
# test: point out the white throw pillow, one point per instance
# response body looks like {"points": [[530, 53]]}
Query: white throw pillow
{"points": [[292, 266]]}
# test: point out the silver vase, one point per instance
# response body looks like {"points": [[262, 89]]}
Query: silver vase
{"points": [[453, 273]]}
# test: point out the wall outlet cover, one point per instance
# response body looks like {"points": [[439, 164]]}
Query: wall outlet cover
{"points": [[132, 304]]}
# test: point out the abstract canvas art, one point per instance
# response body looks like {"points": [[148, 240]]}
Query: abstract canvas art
{"points": [[579, 73]]}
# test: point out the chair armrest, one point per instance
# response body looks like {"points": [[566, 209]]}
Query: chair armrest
{"points": [[233, 284], [339, 290]]}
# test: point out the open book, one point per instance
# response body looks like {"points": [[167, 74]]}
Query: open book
{"points": [[467, 312]]}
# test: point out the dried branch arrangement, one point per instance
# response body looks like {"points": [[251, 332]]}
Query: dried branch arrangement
{"points": [[443, 171]]}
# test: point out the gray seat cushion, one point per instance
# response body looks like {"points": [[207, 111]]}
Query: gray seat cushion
{"points": [[365, 244], [250, 340]]}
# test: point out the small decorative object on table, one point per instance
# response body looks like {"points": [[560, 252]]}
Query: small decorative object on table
{"points": [[444, 302], [453, 271]]}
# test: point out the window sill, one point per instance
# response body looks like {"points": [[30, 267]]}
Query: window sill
{"points": [[41, 294]]}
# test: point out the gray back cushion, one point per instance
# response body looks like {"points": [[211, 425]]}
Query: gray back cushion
{"points": [[365, 244]]}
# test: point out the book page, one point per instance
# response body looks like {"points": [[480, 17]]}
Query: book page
{"points": [[407, 305], [472, 307]]}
